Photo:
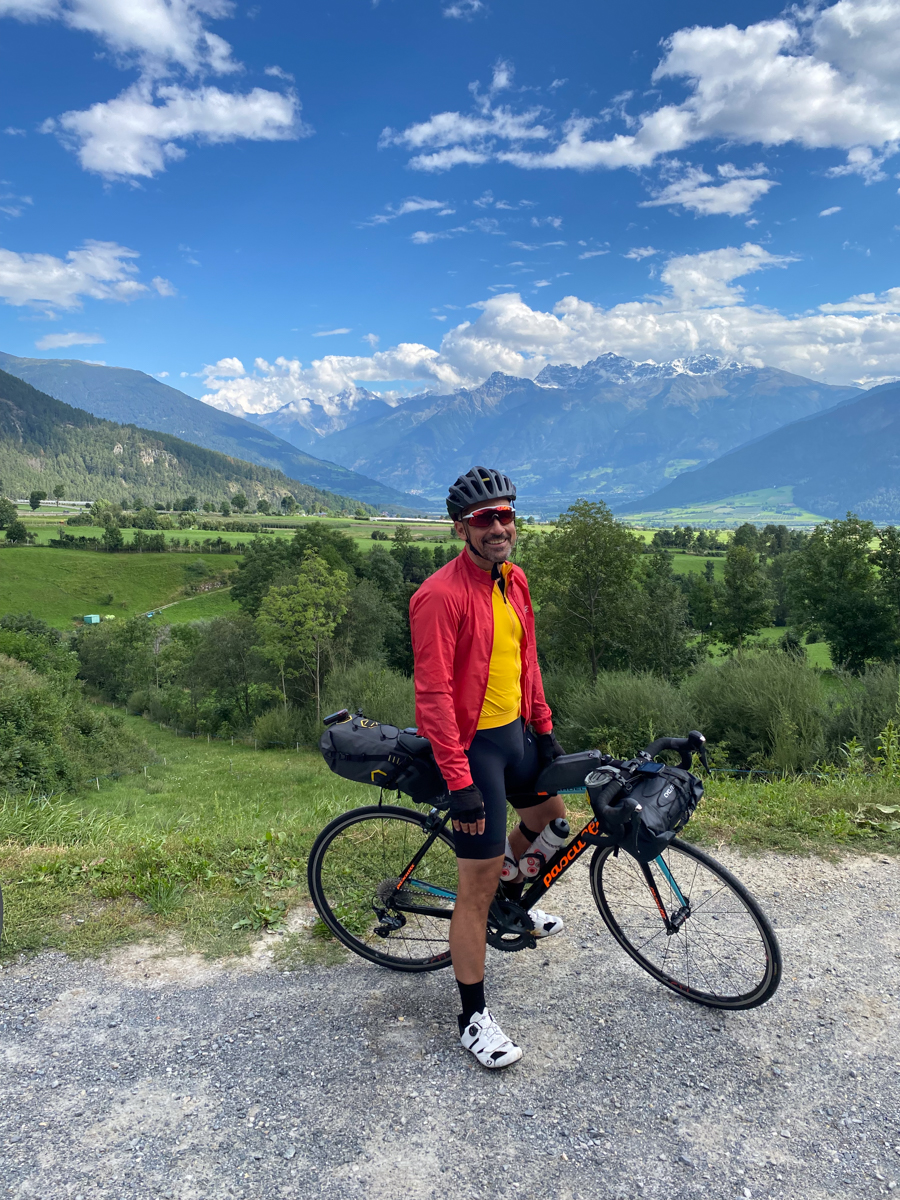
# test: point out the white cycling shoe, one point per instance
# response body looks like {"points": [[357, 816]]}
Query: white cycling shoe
{"points": [[487, 1041], [545, 924]]}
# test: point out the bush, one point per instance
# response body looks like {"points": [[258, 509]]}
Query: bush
{"points": [[861, 705], [382, 694], [620, 712], [768, 707], [280, 728]]}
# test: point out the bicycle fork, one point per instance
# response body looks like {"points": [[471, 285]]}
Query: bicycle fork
{"points": [[674, 922]]}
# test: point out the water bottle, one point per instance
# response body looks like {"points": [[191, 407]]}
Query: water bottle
{"points": [[510, 869], [544, 846]]}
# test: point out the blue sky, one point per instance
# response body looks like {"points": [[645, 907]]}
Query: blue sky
{"points": [[276, 201]]}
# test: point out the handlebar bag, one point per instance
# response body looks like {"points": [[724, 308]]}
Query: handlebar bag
{"points": [[366, 751], [668, 797]]}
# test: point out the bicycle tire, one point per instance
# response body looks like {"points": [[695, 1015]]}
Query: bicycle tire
{"points": [[359, 853], [704, 958]]}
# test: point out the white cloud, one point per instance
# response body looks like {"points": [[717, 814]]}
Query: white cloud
{"points": [[331, 332], [99, 270], [703, 309], [135, 136], [12, 205], [639, 252], [735, 196], [158, 33], [162, 374], [422, 237], [372, 338], [163, 286], [57, 341], [411, 204], [829, 212], [278, 73], [464, 10], [818, 77], [13, 132], [593, 253]]}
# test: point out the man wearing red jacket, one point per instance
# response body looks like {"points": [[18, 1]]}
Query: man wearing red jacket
{"points": [[480, 702]]}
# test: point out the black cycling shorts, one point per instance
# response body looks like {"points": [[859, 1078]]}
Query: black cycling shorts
{"points": [[504, 764]]}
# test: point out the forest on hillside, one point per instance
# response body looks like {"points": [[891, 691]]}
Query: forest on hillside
{"points": [[45, 443]]}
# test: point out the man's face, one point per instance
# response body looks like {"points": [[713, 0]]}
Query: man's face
{"points": [[495, 544]]}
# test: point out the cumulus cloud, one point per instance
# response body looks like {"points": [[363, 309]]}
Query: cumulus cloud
{"points": [[146, 126], [829, 212], [57, 341], [99, 270], [156, 33], [138, 132], [702, 309], [818, 77], [699, 192], [639, 252]]}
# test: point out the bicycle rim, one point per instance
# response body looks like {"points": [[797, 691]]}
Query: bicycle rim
{"points": [[353, 871], [724, 955]]}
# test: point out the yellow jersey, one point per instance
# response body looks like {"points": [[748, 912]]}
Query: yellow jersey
{"points": [[503, 698]]}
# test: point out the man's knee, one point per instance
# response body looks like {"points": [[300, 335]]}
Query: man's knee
{"points": [[478, 879]]}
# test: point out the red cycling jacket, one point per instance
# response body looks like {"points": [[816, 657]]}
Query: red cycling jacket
{"points": [[452, 621]]}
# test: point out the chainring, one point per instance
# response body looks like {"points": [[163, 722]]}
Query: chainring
{"points": [[509, 927]]}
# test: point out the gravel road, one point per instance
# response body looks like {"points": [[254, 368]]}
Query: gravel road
{"points": [[153, 1075]]}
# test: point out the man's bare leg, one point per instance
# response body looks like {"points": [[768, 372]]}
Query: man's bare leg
{"points": [[535, 818], [478, 879]]}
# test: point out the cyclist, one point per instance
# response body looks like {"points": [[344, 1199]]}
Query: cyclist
{"points": [[480, 701]]}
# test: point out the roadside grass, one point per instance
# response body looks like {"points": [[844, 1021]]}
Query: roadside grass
{"points": [[210, 844], [58, 585]]}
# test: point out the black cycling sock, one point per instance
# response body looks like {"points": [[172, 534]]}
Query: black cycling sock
{"points": [[513, 891], [526, 832], [472, 997]]}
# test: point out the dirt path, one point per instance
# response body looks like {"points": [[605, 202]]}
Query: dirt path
{"points": [[168, 1077]]}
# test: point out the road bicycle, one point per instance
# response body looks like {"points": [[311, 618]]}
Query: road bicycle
{"points": [[383, 880]]}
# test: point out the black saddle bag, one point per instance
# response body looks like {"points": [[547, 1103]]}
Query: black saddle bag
{"points": [[366, 751], [568, 772], [667, 795]]}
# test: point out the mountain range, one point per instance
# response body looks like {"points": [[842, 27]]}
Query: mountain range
{"points": [[613, 428], [131, 397], [845, 459], [44, 442]]}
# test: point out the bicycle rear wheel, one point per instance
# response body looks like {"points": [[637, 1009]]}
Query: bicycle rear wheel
{"points": [[354, 867], [715, 945]]}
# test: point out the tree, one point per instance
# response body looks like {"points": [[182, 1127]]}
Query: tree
{"points": [[112, 537], [833, 586], [662, 631], [745, 605], [17, 533], [225, 509], [8, 512], [59, 491], [296, 623], [239, 501], [262, 506], [746, 535], [288, 504], [35, 500], [582, 576]]}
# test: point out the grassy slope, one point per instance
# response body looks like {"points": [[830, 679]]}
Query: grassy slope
{"points": [[58, 585], [768, 505], [215, 834]]}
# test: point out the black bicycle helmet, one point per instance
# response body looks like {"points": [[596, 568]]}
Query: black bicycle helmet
{"points": [[481, 485]]}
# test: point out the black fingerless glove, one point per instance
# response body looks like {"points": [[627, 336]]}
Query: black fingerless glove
{"points": [[548, 748], [467, 805]]}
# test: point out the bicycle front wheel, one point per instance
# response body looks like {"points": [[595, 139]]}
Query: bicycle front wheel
{"points": [[713, 945], [354, 870]]}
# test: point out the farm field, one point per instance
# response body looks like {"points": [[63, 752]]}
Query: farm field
{"points": [[767, 506], [57, 585]]}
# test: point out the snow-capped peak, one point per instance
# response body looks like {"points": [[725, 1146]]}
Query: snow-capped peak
{"points": [[613, 368]]}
